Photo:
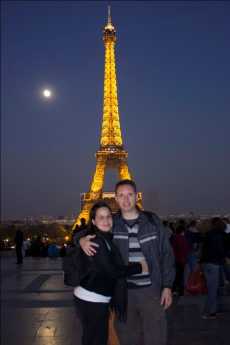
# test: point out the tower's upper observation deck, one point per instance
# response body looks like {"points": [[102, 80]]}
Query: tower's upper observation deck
{"points": [[109, 32]]}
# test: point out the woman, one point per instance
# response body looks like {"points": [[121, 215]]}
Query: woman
{"points": [[104, 284]]}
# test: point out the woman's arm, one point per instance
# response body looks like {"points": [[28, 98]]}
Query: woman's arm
{"points": [[105, 263]]}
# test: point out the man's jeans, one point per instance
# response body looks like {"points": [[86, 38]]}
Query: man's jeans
{"points": [[190, 267], [212, 276], [146, 322], [227, 271]]}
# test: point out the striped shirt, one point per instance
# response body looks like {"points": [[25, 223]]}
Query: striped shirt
{"points": [[136, 255]]}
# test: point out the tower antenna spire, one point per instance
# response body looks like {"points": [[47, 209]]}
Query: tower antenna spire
{"points": [[109, 14]]}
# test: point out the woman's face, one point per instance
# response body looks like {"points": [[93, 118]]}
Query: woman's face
{"points": [[103, 220]]}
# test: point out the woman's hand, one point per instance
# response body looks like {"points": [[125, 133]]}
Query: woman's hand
{"points": [[88, 246], [144, 266]]}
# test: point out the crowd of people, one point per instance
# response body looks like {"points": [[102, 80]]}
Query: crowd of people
{"points": [[207, 252], [36, 247]]}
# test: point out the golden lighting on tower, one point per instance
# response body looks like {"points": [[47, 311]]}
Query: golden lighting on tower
{"points": [[111, 153]]}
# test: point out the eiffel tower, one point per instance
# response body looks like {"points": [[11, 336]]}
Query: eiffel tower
{"points": [[111, 153]]}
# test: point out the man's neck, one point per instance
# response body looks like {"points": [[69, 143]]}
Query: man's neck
{"points": [[129, 215]]}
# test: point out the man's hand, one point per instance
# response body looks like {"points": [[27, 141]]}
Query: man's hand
{"points": [[87, 245], [144, 266], [166, 298]]}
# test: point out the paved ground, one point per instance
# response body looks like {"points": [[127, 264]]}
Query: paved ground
{"points": [[37, 309]]}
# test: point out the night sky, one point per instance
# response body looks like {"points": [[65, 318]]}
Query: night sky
{"points": [[173, 76]]}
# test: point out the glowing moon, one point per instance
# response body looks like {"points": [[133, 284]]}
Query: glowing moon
{"points": [[47, 93]]}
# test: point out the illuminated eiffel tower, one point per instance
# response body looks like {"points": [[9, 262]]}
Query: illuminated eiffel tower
{"points": [[111, 153]]}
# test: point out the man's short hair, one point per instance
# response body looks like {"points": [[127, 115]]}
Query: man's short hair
{"points": [[126, 183]]}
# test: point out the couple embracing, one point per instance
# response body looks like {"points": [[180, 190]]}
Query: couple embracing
{"points": [[130, 268]]}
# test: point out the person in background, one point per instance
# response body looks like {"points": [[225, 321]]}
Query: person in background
{"points": [[213, 259], [172, 227], [62, 251], [227, 222], [76, 229], [181, 251], [194, 240], [53, 251], [26, 247], [167, 229], [19, 244], [83, 224], [226, 267]]}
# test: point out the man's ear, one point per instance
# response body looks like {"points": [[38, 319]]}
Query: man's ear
{"points": [[93, 221]]}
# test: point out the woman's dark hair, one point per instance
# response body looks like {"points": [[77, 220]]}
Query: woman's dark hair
{"points": [[180, 229], [93, 211]]}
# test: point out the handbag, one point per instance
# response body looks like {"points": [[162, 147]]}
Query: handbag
{"points": [[75, 266], [196, 284]]}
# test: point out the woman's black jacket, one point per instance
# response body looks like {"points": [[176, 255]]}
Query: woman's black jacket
{"points": [[106, 267]]}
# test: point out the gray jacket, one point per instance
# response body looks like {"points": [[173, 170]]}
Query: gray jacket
{"points": [[155, 246]]}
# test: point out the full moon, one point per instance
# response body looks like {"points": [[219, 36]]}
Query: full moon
{"points": [[47, 93]]}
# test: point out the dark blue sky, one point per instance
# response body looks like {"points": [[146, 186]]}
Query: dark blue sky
{"points": [[174, 99]]}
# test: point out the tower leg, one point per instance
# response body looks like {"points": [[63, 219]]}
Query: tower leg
{"points": [[98, 180], [124, 173], [94, 193]]}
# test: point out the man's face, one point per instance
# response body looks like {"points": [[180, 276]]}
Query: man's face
{"points": [[126, 198]]}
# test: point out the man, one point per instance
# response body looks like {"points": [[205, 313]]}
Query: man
{"points": [[140, 235], [227, 246], [213, 259]]}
